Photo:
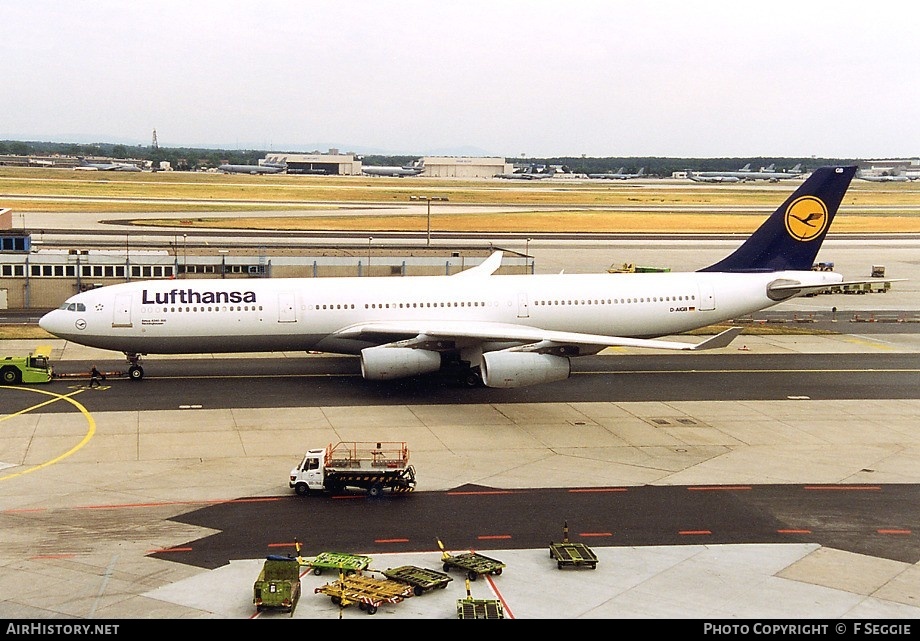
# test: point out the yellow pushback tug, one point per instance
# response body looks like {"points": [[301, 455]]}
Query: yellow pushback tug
{"points": [[35, 368]]}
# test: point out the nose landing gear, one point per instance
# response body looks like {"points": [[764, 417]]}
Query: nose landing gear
{"points": [[135, 371]]}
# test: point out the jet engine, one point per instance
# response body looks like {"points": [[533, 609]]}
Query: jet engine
{"points": [[387, 363], [518, 369]]}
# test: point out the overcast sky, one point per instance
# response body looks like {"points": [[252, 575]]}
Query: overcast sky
{"points": [[496, 77]]}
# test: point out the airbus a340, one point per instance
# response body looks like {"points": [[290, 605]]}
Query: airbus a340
{"points": [[501, 330]]}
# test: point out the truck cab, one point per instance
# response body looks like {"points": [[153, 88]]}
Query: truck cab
{"points": [[308, 476]]}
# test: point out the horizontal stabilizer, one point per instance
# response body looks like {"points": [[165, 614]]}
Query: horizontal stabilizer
{"points": [[722, 339], [787, 289]]}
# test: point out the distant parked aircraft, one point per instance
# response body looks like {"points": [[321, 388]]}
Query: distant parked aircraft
{"points": [[619, 174], [528, 173], [882, 178], [698, 178], [85, 165], [746, 174], [412, 169], [610, 175], [265, 168]]}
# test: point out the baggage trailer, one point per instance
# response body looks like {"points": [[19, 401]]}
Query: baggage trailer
{"points": [[340, 561], [368, 592], [371, 466], [470, 608], [569, 554], [473, 563], [278, 585], [421, 579]]}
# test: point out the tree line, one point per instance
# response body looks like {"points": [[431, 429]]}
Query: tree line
{"points": [[190, 158]]}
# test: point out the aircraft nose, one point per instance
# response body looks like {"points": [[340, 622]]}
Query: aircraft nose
{"points": [[51, 322], [45, 321]]}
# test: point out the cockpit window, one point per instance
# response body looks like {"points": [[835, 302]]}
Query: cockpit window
{"points": [[73, 307]]}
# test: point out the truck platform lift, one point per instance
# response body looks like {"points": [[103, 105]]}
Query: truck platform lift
{"points": [[473, 563], [470, 608], [368, 592], [569, 554], [421, 579]]}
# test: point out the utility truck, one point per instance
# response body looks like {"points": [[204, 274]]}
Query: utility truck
{"points": [[370, 466]]}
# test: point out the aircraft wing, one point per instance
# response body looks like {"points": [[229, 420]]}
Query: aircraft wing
{"points": [[437, 335]]}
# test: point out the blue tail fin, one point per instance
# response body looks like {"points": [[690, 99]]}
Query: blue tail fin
{"points": [[791, 237]]}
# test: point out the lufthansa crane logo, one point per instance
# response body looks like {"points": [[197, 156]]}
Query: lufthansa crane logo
{"points": [[806, 218]]}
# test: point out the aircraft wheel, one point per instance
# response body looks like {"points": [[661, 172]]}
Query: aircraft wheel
{"points": [[136, 372], [472, 378]]}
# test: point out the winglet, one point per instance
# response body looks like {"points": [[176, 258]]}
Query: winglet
{"points": [[485, 268], [722, 339]]}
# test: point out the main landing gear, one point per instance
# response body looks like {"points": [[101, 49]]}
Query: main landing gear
{"points": [[472, 377], [135, 371]]}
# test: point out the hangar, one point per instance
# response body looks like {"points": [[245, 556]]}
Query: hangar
{"points": [[334, 163], [465, 167]]}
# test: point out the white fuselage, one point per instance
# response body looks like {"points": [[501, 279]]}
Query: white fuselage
{"points": [[197, 316]]}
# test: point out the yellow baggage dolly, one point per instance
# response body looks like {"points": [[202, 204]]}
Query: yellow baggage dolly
{"points": [[421, 579], [347, 563], [470, 608], [368, 592], [569, 554], [473, 563]]}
